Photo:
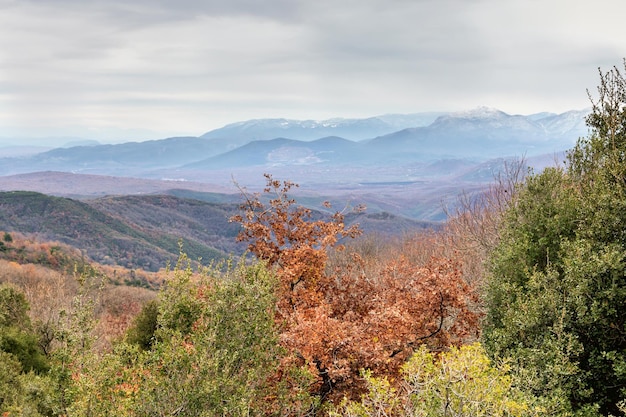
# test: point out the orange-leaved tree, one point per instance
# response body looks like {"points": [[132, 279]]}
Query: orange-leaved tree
{"points": [[338, 321], [286, 236]]}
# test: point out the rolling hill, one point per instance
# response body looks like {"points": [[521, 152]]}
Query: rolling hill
{"points": [[112, 231], [144, 231]]}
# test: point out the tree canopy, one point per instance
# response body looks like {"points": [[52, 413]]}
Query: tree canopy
{"points": [[556, 293]]}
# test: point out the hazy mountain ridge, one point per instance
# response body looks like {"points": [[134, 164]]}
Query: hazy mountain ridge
{"points": [[306, 130], [485, 133], [285, 151], [481, 133], [409, 172], [66, 184]]}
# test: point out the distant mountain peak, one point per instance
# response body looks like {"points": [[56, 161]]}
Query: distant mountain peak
{"points": [[282, 123], [479, 116], [239, 133], [481, 112]]}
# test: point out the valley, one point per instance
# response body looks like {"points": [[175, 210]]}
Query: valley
{"points": [[130, 204]]}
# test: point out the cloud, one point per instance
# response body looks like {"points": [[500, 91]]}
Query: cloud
{"points": [[198, 64], [123, 13]]}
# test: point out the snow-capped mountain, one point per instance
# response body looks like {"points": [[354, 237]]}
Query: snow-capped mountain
{"points": [[571, 123], [483, 133], [351, 129]]}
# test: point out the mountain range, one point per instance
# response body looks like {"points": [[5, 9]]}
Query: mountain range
{"points": [[378, 160], [352, 129], [479, 134]]}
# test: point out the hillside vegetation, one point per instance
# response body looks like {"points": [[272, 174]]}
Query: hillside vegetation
{"points": [[514, 307], [129, 232], [143, 232]]}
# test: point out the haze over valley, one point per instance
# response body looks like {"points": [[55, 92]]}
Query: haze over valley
{"points": [[408, 165]]}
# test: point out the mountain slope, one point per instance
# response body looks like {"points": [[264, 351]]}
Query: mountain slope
{"points": [[281, 151], [114, 238], [145, 231]]}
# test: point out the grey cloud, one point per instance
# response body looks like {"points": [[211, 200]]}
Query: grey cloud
{"points": [[147, 12], [142, 60]]}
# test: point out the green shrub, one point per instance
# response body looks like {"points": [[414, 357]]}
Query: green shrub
{"points": [[557, 285], [142, 331]]}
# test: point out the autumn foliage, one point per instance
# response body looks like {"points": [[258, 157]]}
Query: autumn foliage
{"points": [[337, 321]]}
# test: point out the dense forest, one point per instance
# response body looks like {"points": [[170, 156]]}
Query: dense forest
{"points": [[516, 307]]}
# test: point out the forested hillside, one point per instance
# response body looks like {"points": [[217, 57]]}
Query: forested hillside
{"points": [[515, 307], [140, 232], [144, 232]]}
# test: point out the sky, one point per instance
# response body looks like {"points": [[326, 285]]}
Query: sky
{"points": [[139, 69]]}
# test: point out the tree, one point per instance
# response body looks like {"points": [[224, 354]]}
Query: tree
{"points": [[23, 394], [557, 285], [14, 307], [334, 323], [24, 387], [16, 335], [142, 331]]}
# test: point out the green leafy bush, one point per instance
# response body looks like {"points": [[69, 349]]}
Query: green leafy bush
{"points": [[142, 331], [556, 293], [214, 351]]}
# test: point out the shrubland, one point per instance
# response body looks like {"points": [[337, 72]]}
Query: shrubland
{"points": [[515, 307]]}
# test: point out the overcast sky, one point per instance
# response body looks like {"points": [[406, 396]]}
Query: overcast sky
{"points": [[188, 66]]}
